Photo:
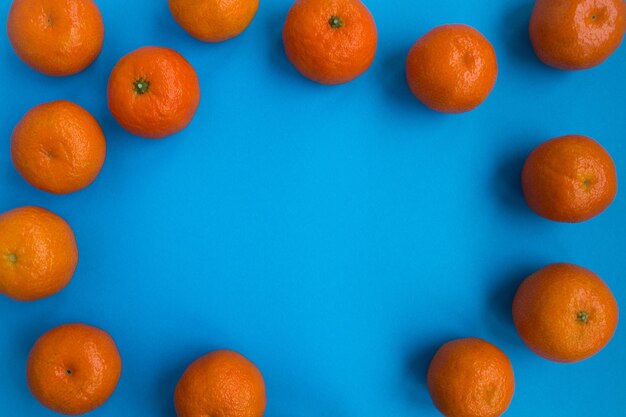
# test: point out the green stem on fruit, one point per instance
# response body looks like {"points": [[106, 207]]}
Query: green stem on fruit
{"points": [[583, 316], [335, 22], [12, 258], [141, 86]]}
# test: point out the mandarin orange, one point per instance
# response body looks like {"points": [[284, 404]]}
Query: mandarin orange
{"points": [[452, 68], [330, 41], [58, 147], [214, 20], [56, 37], [38, 253], [569, 179], [153, 92], [565, 313], [222, 383], [576, 34], [471, 378], [73, 369]]}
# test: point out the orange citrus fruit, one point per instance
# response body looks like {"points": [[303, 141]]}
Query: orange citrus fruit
{"points": [[471, 378], [153, 92], [38, 253], [222, 383], [73, 369], [214, 20], [452, 68], [565, 313], [56, 37], [330, 41], [58, 147], [569, 179], [576, 34]]}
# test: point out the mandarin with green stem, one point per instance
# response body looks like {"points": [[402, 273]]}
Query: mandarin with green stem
{"points": [[153, 92], [565, 313], [330, 41]]}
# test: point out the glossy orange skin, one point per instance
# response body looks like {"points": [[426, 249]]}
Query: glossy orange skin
{"points": [[74, 368], [170, 101], [222, 383], [58, 147], [569, 179], [471, 378], [56, 37], [547, 307], [325, 54], [576, 34], [38, 253], [452, 68], [214, 20]]}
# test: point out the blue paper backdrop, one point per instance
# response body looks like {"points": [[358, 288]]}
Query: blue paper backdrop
{"points": [[334, 235]]}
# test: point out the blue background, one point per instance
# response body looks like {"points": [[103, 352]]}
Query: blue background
{"points": [[334, 235]]}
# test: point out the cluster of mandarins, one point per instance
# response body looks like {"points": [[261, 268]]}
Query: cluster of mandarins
{"points": [[563, 312]]}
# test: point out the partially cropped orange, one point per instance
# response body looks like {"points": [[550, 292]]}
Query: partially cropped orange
{"points": [[471, 378], [577, 34], [565, 313], [153, 92], [222, 383], [73, 369], [38, 253], [569, 179], [452, 68], [330, 41], [56, 37], [214, 20], [58, 147]]}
